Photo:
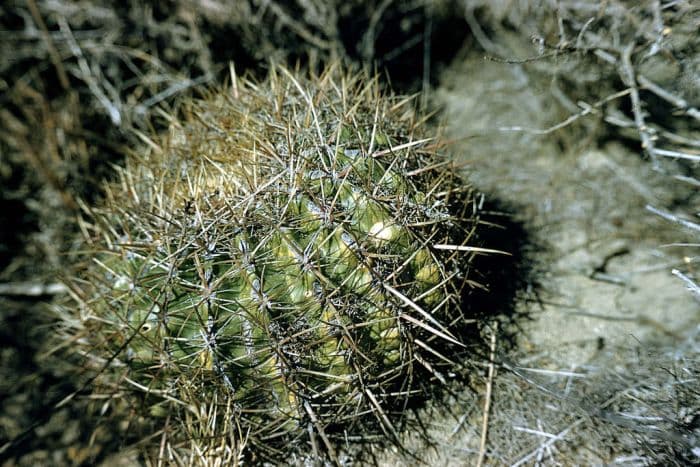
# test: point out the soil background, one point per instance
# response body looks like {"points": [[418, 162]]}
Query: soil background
{"points": [[598, 363], [609, 324]]}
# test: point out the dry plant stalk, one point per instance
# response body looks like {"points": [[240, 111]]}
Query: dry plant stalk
{"points": [[284, 269], [633, 64]]}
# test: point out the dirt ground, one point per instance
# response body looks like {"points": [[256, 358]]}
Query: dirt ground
{"points": [[611, 322]]}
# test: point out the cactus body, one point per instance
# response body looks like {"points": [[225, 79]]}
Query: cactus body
{"points": [[275, 251]]}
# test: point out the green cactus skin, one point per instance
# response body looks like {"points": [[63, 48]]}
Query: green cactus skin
{"points": [[275, 252]]}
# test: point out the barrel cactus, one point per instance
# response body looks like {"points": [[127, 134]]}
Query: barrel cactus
{"points": [[283, 265]]}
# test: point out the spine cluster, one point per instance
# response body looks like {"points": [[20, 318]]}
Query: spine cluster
{"points": [[275, 259]]}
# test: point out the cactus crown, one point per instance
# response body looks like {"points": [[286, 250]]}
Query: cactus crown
{"points": [[271, 264]]}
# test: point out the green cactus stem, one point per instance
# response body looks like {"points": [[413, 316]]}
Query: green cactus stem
{"points": [[273, 258]]}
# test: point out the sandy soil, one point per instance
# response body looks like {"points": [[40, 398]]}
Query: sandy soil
{"points": [[611, 325]]}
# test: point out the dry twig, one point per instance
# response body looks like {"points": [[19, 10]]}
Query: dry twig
{"points": [[487, 397]]}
